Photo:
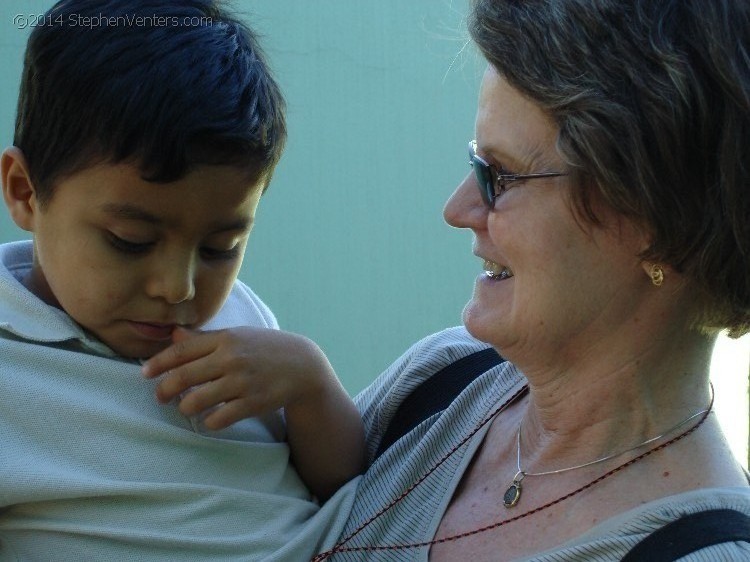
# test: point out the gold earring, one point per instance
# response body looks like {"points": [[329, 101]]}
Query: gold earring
{"points": [[657, 275]]}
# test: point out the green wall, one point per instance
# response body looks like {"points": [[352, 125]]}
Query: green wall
{"points": [[350, 248]]}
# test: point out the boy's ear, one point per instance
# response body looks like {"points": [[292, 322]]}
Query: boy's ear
{"points": [[18, 189]]}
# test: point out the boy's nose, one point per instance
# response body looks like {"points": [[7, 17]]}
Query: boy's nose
{"points": [[173, 281]]}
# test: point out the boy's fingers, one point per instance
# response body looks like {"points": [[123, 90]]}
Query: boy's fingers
{"points": [[187, 347], [205, 396], [176, 381], [227, 414]]}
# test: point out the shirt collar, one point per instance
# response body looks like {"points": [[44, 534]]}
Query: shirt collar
{"points": [[26, 316]]}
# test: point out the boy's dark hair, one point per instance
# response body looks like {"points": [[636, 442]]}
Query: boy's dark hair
{"points": [[164, 85]]}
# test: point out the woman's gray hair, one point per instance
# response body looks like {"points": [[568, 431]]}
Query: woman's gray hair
{"points": [[652, 98]]}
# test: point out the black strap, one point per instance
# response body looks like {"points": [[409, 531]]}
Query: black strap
{"points": [[690, 533], [436, 393]]}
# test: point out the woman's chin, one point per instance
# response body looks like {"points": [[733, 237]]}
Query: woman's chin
{"points": [[481, 323]]}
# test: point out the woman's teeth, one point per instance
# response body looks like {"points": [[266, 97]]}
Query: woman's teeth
{"points": [[496, 271]]}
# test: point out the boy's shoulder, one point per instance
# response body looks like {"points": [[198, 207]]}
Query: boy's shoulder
{"points": [[16, 256], [243, 308], [22, 315]]}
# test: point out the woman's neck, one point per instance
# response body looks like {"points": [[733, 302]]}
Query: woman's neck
{"points": [[608, 400]]}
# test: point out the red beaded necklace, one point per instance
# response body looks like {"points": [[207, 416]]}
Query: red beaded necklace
{"points": [[341, 547]]}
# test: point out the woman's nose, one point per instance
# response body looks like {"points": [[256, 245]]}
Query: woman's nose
{"points": [[465, 208]]}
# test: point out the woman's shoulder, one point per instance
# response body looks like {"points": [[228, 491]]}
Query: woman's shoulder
{"points": [[435, 352], [664, 510], [380, 402], [422, 360], [618, 535]]}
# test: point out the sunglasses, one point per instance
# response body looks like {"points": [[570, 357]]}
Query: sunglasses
{"points": [[492, 184]]}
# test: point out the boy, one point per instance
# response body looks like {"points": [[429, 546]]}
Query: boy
{"points": [[146, 134]]}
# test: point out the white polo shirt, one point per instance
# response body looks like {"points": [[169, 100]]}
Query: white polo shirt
{"points": [[93, 468]]}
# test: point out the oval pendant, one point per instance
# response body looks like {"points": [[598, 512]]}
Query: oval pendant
{"points": [[512, 494]]}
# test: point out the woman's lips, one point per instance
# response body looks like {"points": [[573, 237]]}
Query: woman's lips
{"points": [[496, 271]]}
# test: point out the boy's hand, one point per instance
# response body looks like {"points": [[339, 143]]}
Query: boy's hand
{"points": [[242, 372], [237, 373]]}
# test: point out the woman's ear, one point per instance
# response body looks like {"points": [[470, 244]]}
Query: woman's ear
{"points": [[18, 189]]}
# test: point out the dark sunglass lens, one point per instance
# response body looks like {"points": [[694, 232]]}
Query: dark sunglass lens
{"points": [[485, 181], [484, 178]]}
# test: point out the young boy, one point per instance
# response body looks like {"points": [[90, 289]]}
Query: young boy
{"points": [[146, 134]]}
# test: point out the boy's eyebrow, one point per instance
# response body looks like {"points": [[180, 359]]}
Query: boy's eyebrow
{"points": [[128, 211]]}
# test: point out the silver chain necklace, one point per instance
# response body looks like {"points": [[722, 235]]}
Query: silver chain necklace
{"points": [[513, 493]]}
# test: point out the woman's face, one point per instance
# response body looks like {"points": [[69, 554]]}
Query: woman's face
{"points": [[556, 284]]}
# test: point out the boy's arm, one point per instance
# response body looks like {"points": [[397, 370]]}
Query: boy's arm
{"points": [[245, 372], [325, 431]]}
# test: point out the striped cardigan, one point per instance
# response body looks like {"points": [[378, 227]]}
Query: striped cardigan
{"points": [[416, 518]]}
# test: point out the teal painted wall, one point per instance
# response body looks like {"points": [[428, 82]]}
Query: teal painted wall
{"points": [[350, 247]]}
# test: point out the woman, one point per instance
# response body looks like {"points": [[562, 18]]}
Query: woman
{"points": [[611, 219]]}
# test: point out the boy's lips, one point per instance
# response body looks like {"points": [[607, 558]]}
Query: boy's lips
{"points": [[153, 331]]}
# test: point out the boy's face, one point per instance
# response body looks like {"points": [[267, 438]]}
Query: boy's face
{"points": [[129, 260]]}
